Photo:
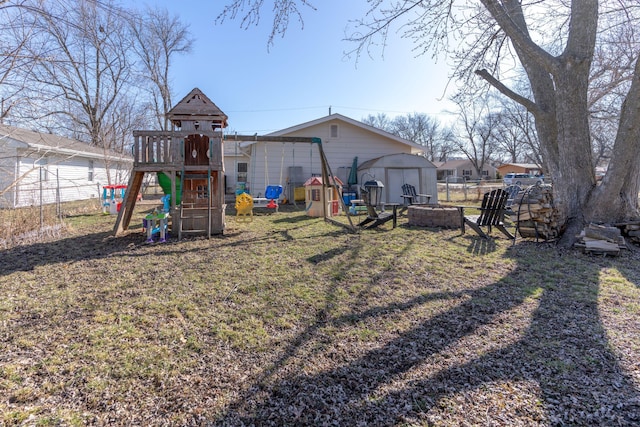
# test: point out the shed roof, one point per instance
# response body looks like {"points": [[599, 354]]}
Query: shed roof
{"points": [[398, 160]]}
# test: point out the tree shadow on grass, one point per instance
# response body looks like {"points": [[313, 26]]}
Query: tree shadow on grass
{"points": [[544, 336], [103, 244], [85, 247]]}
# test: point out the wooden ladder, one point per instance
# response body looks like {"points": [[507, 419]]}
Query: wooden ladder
{"points": [[189, 211]]}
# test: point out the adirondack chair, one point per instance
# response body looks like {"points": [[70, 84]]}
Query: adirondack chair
{"points": [[411, 197], [375, 218], [491, 214], [512, 192]]}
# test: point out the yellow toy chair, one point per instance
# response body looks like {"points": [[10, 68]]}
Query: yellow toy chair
{"points": [[244, 208]]}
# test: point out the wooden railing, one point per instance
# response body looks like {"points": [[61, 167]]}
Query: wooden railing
{"points": [[153, 148]]}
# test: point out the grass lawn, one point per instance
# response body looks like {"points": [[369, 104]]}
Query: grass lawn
{"points": [[289, 320]]}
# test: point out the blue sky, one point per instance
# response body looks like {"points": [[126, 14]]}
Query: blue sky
{"points": [[297, 79]]}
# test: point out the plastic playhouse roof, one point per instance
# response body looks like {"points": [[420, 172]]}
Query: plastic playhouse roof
{"points": [[316, 180]]}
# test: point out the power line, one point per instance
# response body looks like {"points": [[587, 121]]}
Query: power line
{"points": [[327, 107]]}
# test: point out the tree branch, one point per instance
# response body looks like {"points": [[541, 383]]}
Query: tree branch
{"points": [[525, 102]]}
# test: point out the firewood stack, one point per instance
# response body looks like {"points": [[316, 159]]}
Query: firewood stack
{"points": [[534, 214], [631, 229], [601, 239]]}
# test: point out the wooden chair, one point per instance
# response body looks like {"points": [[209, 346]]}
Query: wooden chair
{"points": [[411, 197], [512, 192], [375, 218], [491, 215]]}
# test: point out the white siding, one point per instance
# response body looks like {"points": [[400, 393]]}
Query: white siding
{"points": [[352, 141], [7, 177], [67, 179]]}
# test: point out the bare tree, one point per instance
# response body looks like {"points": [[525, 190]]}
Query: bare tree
{"points": [[86, 68], [14, 57], [473, 134], [555, 41], [380, 121], [250, 11], [418, 128], [158, 38], [426, 131], [515, 133]]}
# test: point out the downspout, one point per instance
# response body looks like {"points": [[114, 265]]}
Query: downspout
{"points": [[16, 187]]}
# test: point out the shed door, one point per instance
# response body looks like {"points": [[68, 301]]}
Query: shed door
{"points": [[396, 178]]}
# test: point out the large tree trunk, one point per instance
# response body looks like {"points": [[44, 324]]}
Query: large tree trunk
{"points": [[573, 174], [616, 199], [560, 86]]}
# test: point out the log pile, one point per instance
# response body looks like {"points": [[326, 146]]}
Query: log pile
{"points": [[533, 212], [601, 239], [631, 229]]}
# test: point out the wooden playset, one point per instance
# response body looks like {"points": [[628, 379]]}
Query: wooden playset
{"points": [[189, 162]]}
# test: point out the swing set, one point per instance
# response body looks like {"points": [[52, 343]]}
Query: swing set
{"points": [[273, 192]]}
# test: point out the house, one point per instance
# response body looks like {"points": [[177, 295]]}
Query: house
{"points": [[347, 143], [463, 170], [530, 168], [40, 168]]}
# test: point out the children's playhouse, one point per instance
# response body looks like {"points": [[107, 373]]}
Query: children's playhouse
{"points": [[322, 200]]}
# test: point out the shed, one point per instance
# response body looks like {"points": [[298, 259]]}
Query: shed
{"points": [[395, 170]]}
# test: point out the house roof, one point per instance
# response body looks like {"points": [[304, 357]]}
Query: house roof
{"points": [[197, 106], [47, 142], [454, 164], [351, 121], [521, 165]]}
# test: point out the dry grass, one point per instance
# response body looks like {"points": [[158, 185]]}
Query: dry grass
{"points": [[35, 223], [289, 320]]}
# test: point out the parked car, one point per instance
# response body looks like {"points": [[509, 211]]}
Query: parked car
{"points": [[522, 179]]}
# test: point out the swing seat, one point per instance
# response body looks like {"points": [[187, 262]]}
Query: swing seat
{"points": [[273, 192], [244, 208], [272, 204]]}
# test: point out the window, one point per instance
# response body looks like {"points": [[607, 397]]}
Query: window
{"points": [[334, 131], [242, 172], [90, 174], [201, 192], [466, 172], [315, 195], [485, 173]]}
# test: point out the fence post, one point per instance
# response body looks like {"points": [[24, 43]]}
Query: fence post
{"points": [[41, 211]]}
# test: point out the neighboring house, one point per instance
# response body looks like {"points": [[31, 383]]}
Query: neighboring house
{"points": [[254, 164], [459, 170], [530, 168], [43, 168]]}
